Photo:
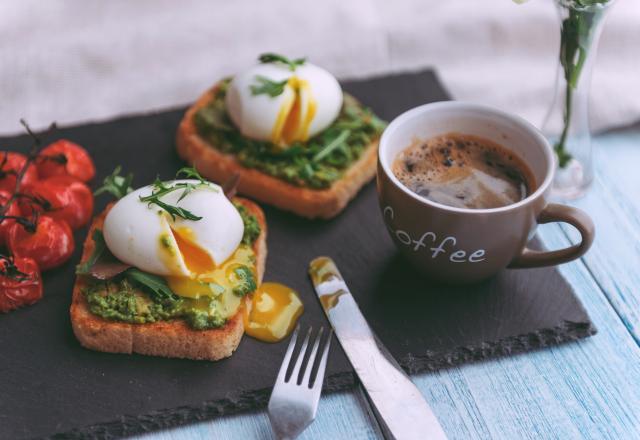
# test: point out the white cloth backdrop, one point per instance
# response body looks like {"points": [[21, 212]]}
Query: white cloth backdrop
{"points": [[80, 60]]}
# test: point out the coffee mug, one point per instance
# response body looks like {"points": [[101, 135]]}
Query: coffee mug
{"points": [[463, 245]]}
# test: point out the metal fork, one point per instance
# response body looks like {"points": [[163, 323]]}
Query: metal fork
{"points": [[294, 401]]}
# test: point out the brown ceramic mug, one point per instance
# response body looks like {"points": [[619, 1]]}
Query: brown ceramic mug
{"points": [[463, 245]]}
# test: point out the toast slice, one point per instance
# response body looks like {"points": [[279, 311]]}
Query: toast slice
{"points": [[306, 202], [165, 338]]}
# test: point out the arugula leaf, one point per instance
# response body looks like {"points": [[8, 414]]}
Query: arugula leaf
{"points": [[174, 211], [115, 184], [266, 86], [101, 264], [162, 189], [153, 284], [335, 143], [275, 58], [98, 250], [190, 173]]}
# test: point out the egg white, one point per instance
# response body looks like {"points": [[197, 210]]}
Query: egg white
{"points": [[257, 115], [142, 234]]}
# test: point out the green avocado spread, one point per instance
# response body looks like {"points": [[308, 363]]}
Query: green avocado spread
{"points": [[137, 297], [315, 164], [120, 300]]}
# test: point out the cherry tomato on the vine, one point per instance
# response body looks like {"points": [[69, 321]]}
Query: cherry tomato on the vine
{"points": [[70, 200], [64, 157], [20, 283], [50, 245], [10, 165], [12, 211]]}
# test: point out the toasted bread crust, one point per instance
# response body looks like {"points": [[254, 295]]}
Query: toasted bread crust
{"points": [[306, 202], [165, 338]]}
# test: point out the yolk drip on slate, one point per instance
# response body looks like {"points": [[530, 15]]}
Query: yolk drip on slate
{"points": [[272, 313]]}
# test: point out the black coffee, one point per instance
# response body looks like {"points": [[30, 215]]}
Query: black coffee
{"points": [[464, 171]]}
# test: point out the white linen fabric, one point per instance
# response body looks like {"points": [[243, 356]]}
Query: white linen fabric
{"points": [[80, 60]]}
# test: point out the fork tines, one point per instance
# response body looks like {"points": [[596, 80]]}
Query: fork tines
{"points": [[302, 367], [294, 400]]}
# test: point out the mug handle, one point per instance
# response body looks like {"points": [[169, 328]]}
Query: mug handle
{"points": [[559, 213]]}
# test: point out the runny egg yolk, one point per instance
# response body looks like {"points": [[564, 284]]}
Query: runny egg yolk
{"points": [[295, 114], [272, 313], [207, 278], [216, 280], [195, 258]]}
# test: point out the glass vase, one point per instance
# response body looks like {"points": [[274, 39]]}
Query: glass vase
{"points": [[567, 122]]}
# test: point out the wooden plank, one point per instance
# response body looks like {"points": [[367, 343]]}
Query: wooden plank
{"points": [[614, 204], [585, 389]]}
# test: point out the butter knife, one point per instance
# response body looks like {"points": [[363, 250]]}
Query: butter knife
{"points": [[403, 412]]}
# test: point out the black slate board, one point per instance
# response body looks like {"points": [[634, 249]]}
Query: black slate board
{"points": [[50, 385]]}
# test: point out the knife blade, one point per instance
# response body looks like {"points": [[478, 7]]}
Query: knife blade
{"points": [[402, 409]]}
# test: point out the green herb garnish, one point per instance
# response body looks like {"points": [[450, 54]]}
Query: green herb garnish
{"points": [[337, 142], [246, 281], [153, 284], [115, 184], [161, 189], [101, 264], [190, 173], [266, 86], [99, 247], [275, 58]]}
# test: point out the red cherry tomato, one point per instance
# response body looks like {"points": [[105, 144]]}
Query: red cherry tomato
{"points": [[66, 158], [13, 211], [10, 165], [70, 199], [20, 283], [50, 245]]}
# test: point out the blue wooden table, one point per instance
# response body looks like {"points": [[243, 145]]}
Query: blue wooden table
{"points": [[587, 389]]}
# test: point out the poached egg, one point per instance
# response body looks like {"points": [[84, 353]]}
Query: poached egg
{"points": [[310, 101], [199, 258], [194, 256]]}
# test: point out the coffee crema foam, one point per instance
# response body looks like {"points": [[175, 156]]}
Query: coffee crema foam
{"points": [[464, 171]]}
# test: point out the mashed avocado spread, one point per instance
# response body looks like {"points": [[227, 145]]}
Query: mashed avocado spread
{"points": [[137, 297], [315, 164]]}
